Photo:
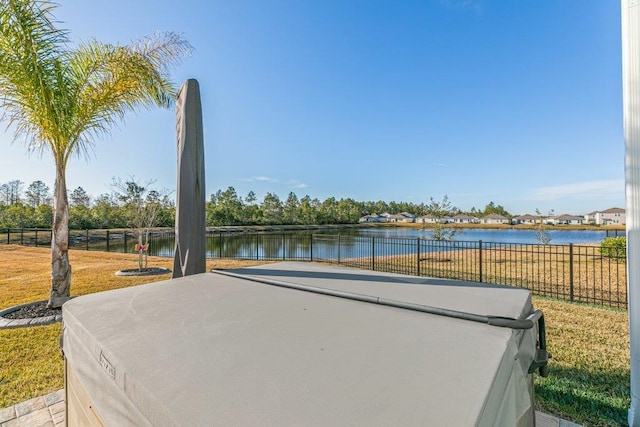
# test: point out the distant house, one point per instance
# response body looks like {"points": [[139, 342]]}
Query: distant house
{"points": [[408, 215], [373, 218], [611, 216], [446, 220], [431, 219], [401, 217], [494, 219], [465, 219], [525, 219], [590, 218], [566, 219]]}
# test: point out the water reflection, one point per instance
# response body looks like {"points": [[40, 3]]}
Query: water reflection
{"points": [[338, 245]]}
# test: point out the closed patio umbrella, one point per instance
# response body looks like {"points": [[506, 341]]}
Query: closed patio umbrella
{"points": [[190, 257]]}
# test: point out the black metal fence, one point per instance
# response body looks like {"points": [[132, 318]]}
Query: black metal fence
{"points": [[571, 272]]}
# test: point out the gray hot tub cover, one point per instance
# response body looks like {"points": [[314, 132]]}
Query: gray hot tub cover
{"points": [[213, 350]]}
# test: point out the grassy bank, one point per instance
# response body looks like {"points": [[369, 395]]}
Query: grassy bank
{"points": [[577, 274], [618, 227], [589, 373], [588, 380], [30, 358]]}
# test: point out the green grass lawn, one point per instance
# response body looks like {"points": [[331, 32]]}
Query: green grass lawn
{"points": [[588, 379]]}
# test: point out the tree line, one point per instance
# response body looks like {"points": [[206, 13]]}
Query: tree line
{"points": [[31, 207]]}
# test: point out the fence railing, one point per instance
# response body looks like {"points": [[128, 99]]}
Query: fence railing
{"points": [[571, 272]]}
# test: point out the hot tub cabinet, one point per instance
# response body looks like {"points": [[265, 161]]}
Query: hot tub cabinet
{"points": [[302, 344]]}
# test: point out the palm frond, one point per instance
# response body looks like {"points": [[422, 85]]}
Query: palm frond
{"points": [[62, 100], [113, 80], [30, 46]]}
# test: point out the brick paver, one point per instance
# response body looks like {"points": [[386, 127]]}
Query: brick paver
{"points": [[43, 411], [7, 414], [30, 406], [57, 413], [55, 397]]}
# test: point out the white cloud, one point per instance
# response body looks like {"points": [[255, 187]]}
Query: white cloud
{"points": [[592, 190], [295, 183], [289, 183], [259, 179]]}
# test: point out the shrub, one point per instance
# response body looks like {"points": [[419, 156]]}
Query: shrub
{"points": [[614, 247]]}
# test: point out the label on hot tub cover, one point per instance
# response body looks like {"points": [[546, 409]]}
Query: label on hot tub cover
{"points": [[107, 366]]}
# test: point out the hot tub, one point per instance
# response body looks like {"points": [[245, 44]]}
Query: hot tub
{"points": [[302, 344]]}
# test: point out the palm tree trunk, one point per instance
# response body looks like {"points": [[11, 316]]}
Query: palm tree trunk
{"points": [[60, 267]]}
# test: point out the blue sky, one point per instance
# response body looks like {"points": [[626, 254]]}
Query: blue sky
{"points": [[513, 102]]}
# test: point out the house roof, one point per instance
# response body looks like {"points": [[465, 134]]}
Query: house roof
{"points": [[614, 210], [463, 216], [495, 216], [526, 216], [567, 217]]}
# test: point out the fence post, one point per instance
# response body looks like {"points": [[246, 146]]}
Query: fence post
{"points": [[21, 237], [311, 247], [418, 254], [339, 243], [257, 248], [283, 248], [36, 237], [571, 272], [8, 236], [220, 242], [373, 253], [125, 241], [480, 259], [87, 239], [107, 240]]}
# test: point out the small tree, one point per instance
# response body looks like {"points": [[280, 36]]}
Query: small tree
{"points": [[271, 209], [614, 247], [441, 231], [142, 206], [251, 210], [79, 197], [542, 234], [11, 192], [37, 194], [492, 208], [291, 209]]}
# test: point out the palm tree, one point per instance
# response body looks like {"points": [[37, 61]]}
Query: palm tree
{"points": [[60, 99]]}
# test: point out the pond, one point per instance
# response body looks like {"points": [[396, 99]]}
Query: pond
{"points": [[340, 243], [558, 237]]}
